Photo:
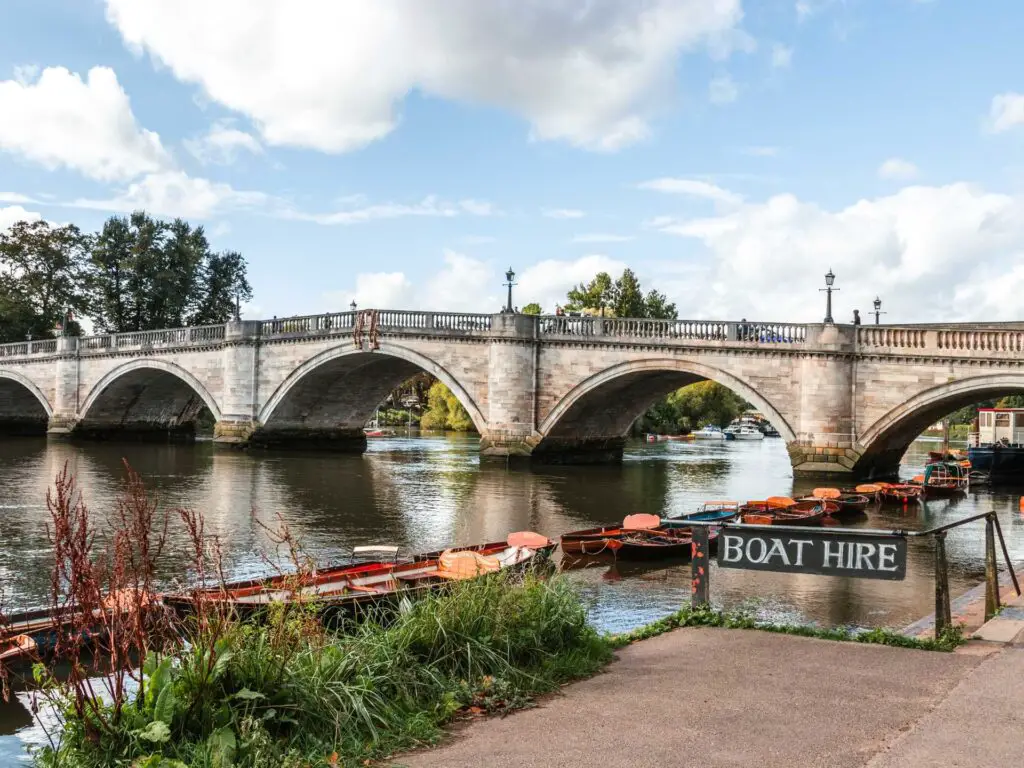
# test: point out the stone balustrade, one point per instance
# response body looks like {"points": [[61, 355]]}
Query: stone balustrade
{"points": [[926, 339]]}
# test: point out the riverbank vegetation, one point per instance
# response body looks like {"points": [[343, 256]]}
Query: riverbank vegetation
{"points": [[690, 408], [444, 411], [287, 691]]}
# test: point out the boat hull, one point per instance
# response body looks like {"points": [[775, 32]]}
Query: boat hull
{"points": [[1005, 463]]}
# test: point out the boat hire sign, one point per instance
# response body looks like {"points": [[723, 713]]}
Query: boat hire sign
{"points": [[866, 556]]}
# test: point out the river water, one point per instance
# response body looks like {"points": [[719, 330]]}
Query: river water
{"points": [[427, 492]]}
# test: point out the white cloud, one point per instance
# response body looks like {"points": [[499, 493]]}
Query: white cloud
{"points": [[12, 214], [782, 56], [15, 197], [898, 169], [479, 208], [465, 284], [548, 281], [692, 188], [599, 237], [222, 144], [174, 193], [431, 206], [563, 213], [761, 151], [931, 253], [1006, 112], [61, 121], [722, 90], [310, 73]]}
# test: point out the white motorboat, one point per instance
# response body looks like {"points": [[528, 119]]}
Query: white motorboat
{"points": [[744, 433], [710, 432]]}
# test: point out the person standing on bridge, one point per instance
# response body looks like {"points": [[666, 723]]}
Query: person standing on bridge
{"points": [[856, 317]]}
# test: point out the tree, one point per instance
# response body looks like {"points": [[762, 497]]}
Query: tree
{"points": [[224, 282], [150, 274], [444, 411], [532, 308], [692, 407], [621, 298], [43, 275], [627, 298], [595, 295]]}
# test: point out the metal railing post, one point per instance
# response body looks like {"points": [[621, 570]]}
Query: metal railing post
{"points": [[991, 570], [943, 613], [1006, 554], [700, 567]]}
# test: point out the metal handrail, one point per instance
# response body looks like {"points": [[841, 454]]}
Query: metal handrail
{"points": [[943, 608]]}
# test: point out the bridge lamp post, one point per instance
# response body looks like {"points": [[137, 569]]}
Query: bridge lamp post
{"points": [[829, 280], [510, 277], [352, 306], [878, 309]]}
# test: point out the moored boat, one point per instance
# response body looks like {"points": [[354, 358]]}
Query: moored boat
{"points": [[654, 544], [899, 493], [594, 541], [842, 503], [347, 591], [713, 512], [806, 512], [709, 432]]}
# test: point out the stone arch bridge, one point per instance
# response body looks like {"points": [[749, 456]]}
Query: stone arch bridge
{"points": [[846, 399]]}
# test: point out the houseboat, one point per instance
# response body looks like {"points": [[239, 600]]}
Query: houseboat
{"points": [[998, 445]]}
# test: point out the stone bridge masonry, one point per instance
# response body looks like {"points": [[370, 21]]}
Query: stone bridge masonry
{"points": [[847, 400]]}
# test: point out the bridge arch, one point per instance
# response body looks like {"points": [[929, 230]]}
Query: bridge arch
{"points": [[883, 444], [145, 396], [326, 400], [24, 409], [603, 407]]}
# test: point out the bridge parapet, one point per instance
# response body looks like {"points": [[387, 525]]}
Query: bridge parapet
{"points": [[684, 330], [942, 341], [26, 348]]}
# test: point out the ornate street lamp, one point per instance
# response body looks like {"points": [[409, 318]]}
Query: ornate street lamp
{"points": [[878, 309], [352, 306], [510, 277], [829, 280], [238, 307]]}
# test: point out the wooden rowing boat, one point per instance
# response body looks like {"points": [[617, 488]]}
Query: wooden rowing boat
{"points": [[34, 635], [840, 503], [594, 541], [894, 493], [806, 512], [349, 590], [713, 512], [654, 545]]}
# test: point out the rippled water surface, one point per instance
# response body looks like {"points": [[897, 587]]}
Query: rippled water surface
{"points": [[427, 492]]}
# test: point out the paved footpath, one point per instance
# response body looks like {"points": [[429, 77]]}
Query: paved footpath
{"points": [[716, 697]]}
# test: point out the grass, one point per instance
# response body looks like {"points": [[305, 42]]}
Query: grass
{"points": [[289, 693], [710, 617]]}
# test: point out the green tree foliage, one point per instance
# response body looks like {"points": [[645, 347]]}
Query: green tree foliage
{"points": [[136, 274], [42, 275], [692, 407], [533, 308], [595, 295], [622, 297], [149, 273], [444, 411]]}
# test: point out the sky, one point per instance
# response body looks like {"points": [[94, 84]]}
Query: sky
{"points": [[405, 153]]}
